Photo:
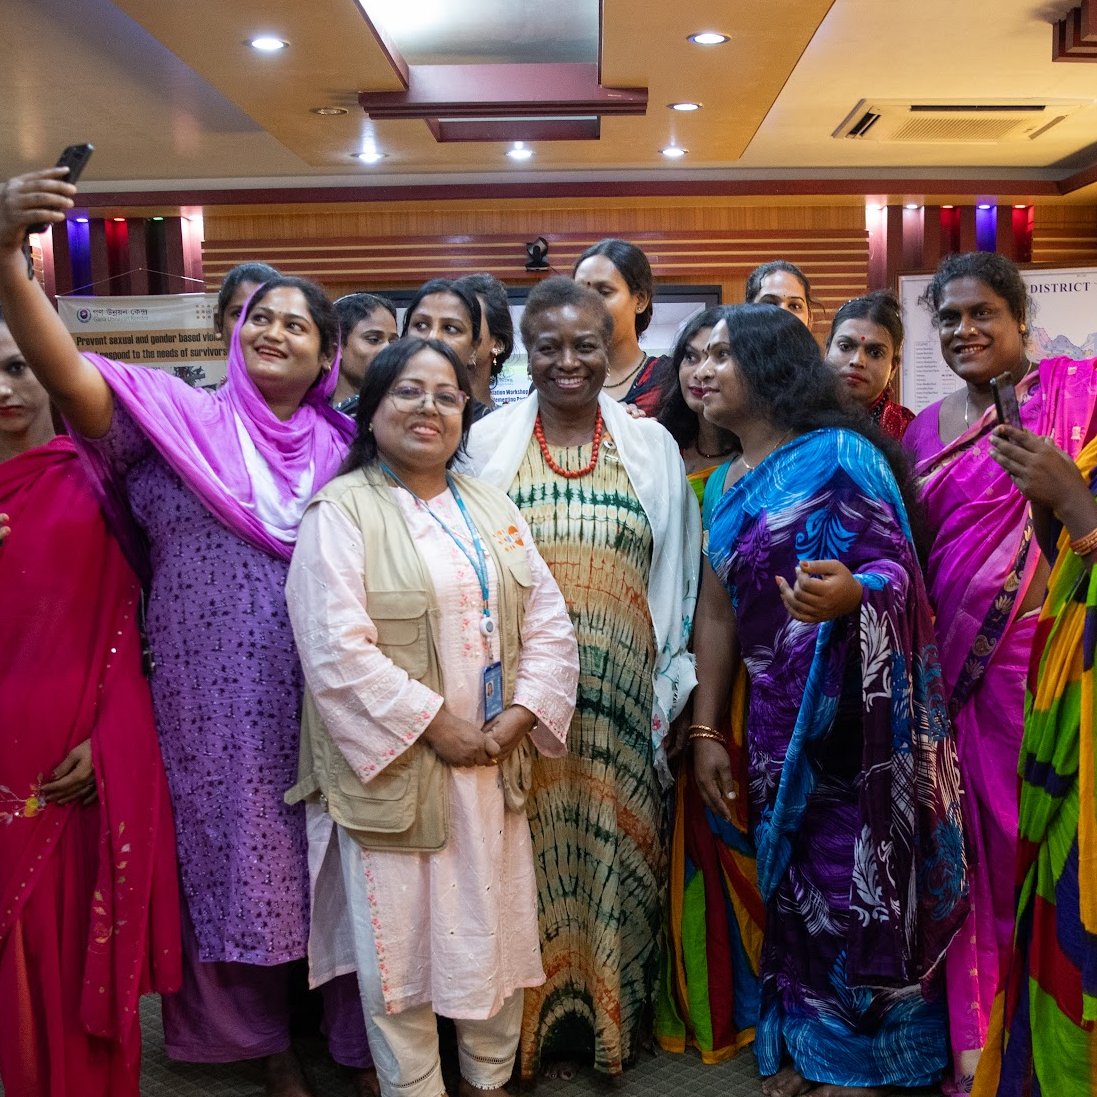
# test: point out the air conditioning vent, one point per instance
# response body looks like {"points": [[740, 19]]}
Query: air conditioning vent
{"points": [[931, 122]]}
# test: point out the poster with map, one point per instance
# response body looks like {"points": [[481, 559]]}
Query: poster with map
{"points": [[1063, 322]]}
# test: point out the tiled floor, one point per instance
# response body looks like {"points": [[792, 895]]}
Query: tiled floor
{"points": [[657, 1075]]}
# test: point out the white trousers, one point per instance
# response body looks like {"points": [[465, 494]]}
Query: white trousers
{"points": [[405, 1044]]}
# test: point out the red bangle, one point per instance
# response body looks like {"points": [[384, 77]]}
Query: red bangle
{"points": [[1083, 546]]}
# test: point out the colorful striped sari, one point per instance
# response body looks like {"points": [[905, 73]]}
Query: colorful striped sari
{"points": [[1050, 1001], [708, 992]]}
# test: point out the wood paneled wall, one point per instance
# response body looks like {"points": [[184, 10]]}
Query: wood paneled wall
{"points": [[1065, 236], [398, 245]]}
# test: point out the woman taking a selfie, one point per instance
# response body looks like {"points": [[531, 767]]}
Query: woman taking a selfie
{"points": [[207, 490]]}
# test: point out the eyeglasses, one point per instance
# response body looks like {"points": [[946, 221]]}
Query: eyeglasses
{"points": [[414, 397]]}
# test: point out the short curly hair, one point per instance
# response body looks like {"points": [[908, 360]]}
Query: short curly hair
{"points": [[988, 267]]}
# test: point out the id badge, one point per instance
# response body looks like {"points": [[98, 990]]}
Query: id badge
{"points": [[493, 691]]}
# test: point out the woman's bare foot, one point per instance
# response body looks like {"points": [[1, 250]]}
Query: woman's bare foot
{"points": [[787, 1082], [564, 1069], [283, 1076], [365, 1082]]}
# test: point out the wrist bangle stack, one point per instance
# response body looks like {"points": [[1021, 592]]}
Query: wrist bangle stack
{"points": [[703, 731], [1083, 546]]}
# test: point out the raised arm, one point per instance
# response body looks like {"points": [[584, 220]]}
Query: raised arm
{"points": [[74, 384]]}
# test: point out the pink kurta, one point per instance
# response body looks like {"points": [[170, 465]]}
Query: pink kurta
{"points": [[457, 929]]}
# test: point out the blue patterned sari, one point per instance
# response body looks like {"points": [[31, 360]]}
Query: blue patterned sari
{"points": [[854, 786]]}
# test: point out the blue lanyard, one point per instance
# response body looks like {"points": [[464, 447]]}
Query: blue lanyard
{"points": [[478, 563]]}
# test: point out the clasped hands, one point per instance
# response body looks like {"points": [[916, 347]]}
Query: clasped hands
{"points": [[461, 743]]}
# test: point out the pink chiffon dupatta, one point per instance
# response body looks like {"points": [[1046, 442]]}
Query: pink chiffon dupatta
{"points": [[254, 472]]}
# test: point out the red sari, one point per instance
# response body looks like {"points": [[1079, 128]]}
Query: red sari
{"points": [[89, 907]]}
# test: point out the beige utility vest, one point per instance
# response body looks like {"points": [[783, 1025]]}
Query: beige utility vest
{"points": [[405, 806]]}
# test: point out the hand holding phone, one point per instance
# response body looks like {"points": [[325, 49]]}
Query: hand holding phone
{"points": [[1005, 400], [75, 157]]}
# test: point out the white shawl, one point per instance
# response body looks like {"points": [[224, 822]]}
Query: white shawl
{"points": [[496, 447]]}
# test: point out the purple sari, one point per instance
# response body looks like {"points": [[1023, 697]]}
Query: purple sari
{"points": [[854, 788], [983, 561]]}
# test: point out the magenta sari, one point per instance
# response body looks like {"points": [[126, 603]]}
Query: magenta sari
{"points": [[89, 900], [983, 560]]}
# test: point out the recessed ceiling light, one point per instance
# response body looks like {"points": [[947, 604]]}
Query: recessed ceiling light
{"points": [[912, 205], [156, 219], [684, 106], [327, 112], [520, 152], [118, 219], [1020, 205], [673, 152], [267, 43], [709, 38], [370, 157], [81, 220], [984, 205], [948, 207]]}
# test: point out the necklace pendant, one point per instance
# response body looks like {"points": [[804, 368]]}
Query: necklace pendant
{"points": [[487, 626]]}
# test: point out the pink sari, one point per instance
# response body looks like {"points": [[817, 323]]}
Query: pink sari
{"points": [[89, 904], [984, 559]]}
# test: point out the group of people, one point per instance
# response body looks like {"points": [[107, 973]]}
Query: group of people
{"points": [[342, 662]]}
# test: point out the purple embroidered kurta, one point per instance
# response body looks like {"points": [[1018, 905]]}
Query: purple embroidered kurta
{"points": [[854, 788], [227, 691]]}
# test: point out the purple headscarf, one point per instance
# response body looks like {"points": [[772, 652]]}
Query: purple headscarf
{"points": [[254, 472]]}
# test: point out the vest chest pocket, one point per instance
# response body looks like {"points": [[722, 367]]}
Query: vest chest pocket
{"points": [[400, 617]]}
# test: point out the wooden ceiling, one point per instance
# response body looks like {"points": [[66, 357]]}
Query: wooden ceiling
{"points": [[177, 103]]}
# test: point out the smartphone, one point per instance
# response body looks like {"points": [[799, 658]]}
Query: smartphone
{"points": [[75, 157], [1005, 400]]}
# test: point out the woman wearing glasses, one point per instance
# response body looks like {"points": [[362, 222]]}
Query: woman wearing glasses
{"points": [[438, 654]]}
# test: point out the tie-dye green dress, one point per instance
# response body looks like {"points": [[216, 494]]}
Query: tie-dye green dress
{"points": [[596, 813]]}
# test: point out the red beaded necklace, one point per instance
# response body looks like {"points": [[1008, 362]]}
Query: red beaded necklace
{"points": [[570, 474]]}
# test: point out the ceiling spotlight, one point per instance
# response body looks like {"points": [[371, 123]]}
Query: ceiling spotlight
{"points": [[372, 156], [81, 220], [156, 219], [948, 207], [327, 112], [1020, 205], [118, 220], [684, 106], [912, 205], [520, 152], [537, 254], [985, 205], [673, 152], [267, 43], [709, 38]]}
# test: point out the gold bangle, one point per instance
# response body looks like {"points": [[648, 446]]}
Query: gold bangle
{"points": [[695, 735], [1083, 546], [701, 727]]}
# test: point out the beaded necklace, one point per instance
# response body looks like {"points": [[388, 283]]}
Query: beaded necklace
{"points": [[570, 474]]}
